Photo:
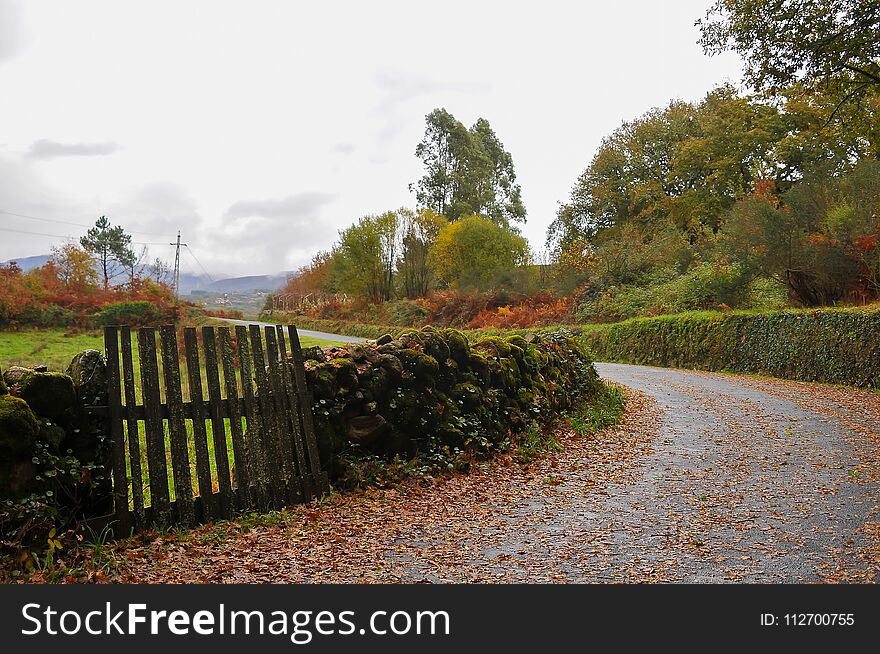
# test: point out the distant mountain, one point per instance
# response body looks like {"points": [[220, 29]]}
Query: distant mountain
{"points": [[189, 282], [248, 284], [29, 263]]}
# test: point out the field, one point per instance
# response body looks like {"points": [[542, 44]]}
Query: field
{"points": [[55, 348]]}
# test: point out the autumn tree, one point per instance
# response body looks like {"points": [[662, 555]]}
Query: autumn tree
{"points": [[474, 251], [467, 171], [112, 248], [687, 164], [314, 277], [819, 239], [787, 41], [75, 266]]}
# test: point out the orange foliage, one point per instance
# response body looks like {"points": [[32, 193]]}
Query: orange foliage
{"points": [[42, 297], [501, 309], [536, 311], [311, 278]]}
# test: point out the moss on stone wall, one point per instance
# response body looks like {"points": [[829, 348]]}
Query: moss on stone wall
{"points": [[431, 390]]}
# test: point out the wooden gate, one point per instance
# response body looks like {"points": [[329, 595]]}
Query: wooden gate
{"points": [[181, 458]]}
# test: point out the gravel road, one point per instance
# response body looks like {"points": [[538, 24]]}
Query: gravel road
{"points": [[324, 336], [754, 480], [709, 478]]}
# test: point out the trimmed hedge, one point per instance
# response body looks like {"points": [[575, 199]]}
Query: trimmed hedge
{"points": [[839, 346]]}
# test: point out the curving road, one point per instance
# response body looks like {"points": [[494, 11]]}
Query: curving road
{"points": [[324, 336], [754, 479], [709, 478]]}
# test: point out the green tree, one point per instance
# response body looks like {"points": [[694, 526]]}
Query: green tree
{"points": [[366, 256], [687, 164], [819, 239], [787, 41], [467, 171], [419, 231], [442, 152], [474, 251], [112, 248]]}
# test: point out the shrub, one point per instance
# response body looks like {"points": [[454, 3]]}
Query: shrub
{"points": [[406, 313], [705, 286], [840, 346], [134, 314]]}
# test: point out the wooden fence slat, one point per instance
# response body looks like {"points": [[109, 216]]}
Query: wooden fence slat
{"points": [[307, 479], [218, 425], [254, 428], [291, 478], [199, 415], [134, 439], [244, 472], [154, 429], [183, 491], [276, 455], [120, 478], [305, 404], [269, 431]]}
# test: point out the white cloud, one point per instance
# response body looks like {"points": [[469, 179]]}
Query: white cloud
{"points": [[12, 39], [317, 107], [46, 149]]}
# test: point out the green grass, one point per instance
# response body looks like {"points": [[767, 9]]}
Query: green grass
{"points": [[52, 347], [55, 348], [603, 411]]}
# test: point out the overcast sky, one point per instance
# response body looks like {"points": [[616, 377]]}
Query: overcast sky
{"points": [[261, 128]]}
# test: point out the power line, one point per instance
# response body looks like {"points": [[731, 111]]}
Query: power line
{"points": [[22, 231], [67, 222], [193, 255]]}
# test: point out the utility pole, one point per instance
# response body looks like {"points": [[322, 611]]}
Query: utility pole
{"points": [[177, 265]]}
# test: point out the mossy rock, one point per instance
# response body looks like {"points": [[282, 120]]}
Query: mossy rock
{"points": [[49, 394], [322, 379], [468, 395], [434, 389], [459, 348], [508, 373], [420, 364], [346, 372], [51, 433], [479, 364], [3, 389], [14, 374], [373, 382], [435, 344], [88, 370], [18, 426], [495, 345], [518, 341], [18, 434], [535, 359], [314, 353]]}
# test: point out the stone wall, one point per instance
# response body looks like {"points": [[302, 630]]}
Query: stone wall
{"points": [[430, 389], [424, 392], [43, 427]]}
